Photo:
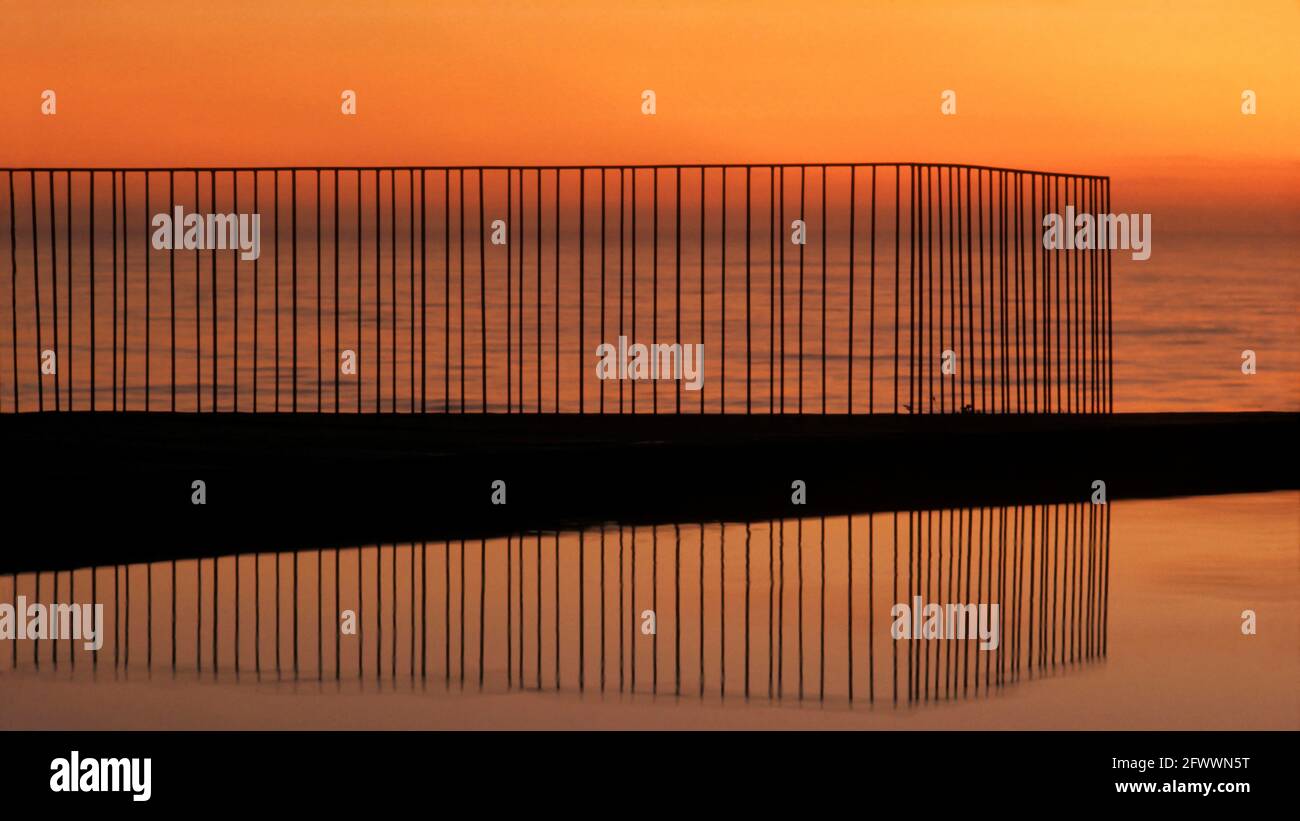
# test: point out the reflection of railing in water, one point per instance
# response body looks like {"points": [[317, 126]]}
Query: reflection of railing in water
{"points": [[789, 609], [902, 262]]}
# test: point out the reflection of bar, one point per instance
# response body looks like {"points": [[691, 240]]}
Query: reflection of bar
{"points": [[1047, 566]]}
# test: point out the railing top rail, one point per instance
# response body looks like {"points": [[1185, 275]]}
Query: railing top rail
{"points": [[562, 167]]}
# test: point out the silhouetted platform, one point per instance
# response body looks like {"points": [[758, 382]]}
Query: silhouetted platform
{"points": [[88, 488]]}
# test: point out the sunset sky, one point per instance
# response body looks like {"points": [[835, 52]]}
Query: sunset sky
{"points": [[1147, 92]]}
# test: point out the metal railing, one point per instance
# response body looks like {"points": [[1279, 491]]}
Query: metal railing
{"points": [[917, 288]]}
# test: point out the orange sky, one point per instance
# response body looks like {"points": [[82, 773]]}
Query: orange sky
{"points": [[1146, 92]]}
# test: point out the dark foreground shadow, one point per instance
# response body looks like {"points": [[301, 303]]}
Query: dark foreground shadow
{"points": [[102, 488]]}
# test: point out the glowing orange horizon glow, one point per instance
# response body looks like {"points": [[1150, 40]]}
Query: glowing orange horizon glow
{"points": [[1144, 92]]}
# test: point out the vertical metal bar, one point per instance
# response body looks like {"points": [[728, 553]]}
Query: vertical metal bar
{"points": [[148, 319], [1048, 375], [1082, 264], [337, 365], [676, 246], [446, 297], [212, 199], [911, 297], [1034, 222], [358, 343], [970, 301], [256, 315], [13, 299], [1011, 179], [91, 208], [1005, 329], [1070, 318], [991, 299], [1023, 309], [622, 279], [927, 365], [424, 327], [1096, 307], [871, 322], [1092, 317], [898, 218], [557, 337], [1017, 238], [54, 284], [1056, 267], [36, 285], [126, 299], [922, 195], [379, 305], [633, 308], [823, 294], [802, 246], [853, 237], [410, 300], [1080, 322], [538, 348], [1110, 383], [654, 303], [320, 343], [522, 228], [945, 328], [276, 311], [113, 232], [986, 405], [392, 306], [460, 223], [510, 231], [198, 308], [603, 205], [771, 296], [67, 354], [171, 209], [722, 387], [482, 300], [234, 184], [955, 199], [582, 314]]}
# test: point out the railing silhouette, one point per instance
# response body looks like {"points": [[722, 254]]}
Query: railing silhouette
{"points": [[400, 269], [795, 609]]}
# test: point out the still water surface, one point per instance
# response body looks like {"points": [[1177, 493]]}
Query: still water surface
{"points": [[1122, 617]]}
